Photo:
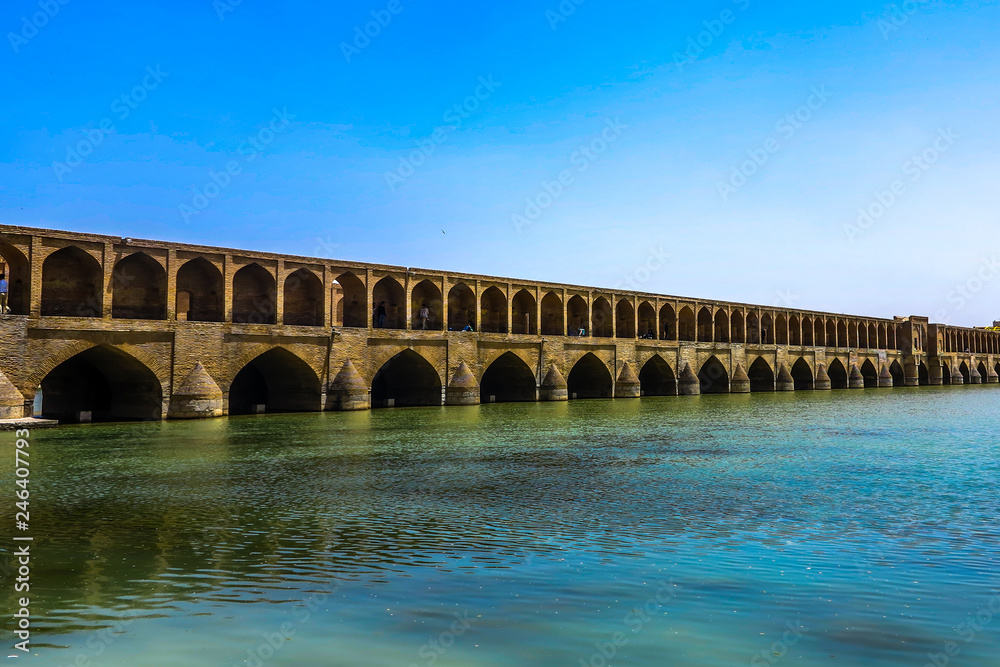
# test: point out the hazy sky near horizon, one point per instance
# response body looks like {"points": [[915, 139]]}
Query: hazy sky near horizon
{"points": [[715, 149]]}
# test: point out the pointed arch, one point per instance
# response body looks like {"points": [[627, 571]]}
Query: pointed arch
{"points": [[389, 301], [493, 311], [945, 373], [862, 336], [405, 380], [600, 318], [838, 374], [983, 372], [686, 329], [102, 383], [668, 323], [794, 331], [831, 333], [461, 308], [841, 334], [200, 291], [802, 375], [18, 277], [963, 368], [807, 332], [647, 321], [872, 336], [71, 284], [524, 313], [624, 319], [721, 331], [761, 375], [139, 288], [275, 381], [508, 379], [714, 377], [303, 299], [753, 328], [706, 324], [552, 315], [590, 378], [870, 374], [923, 375], [253, 295], [737, 327], [657, 378], [819, 337], [351, 302], [578, 316], [766, 329], [427, 293], [898, 376], [781, 329]]}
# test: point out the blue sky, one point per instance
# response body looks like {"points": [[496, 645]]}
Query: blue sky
{"points": [[682, 113]]}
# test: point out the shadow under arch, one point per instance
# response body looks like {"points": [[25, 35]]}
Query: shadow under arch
{"points": [[802, 375], [656, 378], [761, 375], [590, 378], [18, 278], [104, 381], [278, 380], [898, 376], [406, 380], [838, 374], [507, 380], [714, 377]]}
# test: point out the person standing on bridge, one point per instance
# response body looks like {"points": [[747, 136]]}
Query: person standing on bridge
{"points": [[425, 314], [4, 308], [380, 315]]}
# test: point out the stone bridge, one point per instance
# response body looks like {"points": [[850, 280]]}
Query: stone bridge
{"points": [[105, 328]]}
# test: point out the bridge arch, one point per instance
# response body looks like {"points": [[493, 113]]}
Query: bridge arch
{"points": [[761, 375], [350, 301], [807, 332], [686, 328], [590, 378], [657, 378], [389, 295], [714, 377], [71, 284], [781, 329], [139, 288], [600, 318], [802, 375], [200, 290], [493, 306], [737, 327], [766, 329], [705, 324], [18, 278], [427, 293], [277, 379], [842, 340], [524, 313], [838, 374], [831, 333], [923, 375], [898, 376], [647, 321], [406, 380], [862, 336], [624, 319], [552, 315], [105, 381], [945, 372], [303, 299], [461, 307], [722, 324], [578, 316], [254, 295], [872, 336], [794, 331], [870, 373], [508, 379], [963, 368], [668, 323], [983, 373]]}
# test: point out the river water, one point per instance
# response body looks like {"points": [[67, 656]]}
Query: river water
{"points": [[806, 528]]}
